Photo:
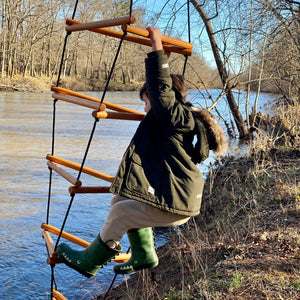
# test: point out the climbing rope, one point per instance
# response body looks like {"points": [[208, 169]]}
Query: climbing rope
{"points": [[53, 281], [189, 34]]}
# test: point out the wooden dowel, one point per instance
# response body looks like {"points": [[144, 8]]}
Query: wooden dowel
{"points": [[49, 242], [77, 167], [164, 38], [65, 235], [58, 296], [117, 115], [89, 190], [64, 174], [134, 38], [78, 241], [101, 24], [75, 100], [53, 260], [109, 105]]}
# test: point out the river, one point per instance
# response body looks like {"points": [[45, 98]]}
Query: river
{"points": [[26, 122]]}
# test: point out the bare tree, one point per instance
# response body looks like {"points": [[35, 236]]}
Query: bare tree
{"points": [[243, 131]]}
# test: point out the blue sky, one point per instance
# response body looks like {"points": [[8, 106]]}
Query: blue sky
{"points": [[174, 22]]}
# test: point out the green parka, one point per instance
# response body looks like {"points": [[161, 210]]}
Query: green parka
{"points": [[157, 167]]}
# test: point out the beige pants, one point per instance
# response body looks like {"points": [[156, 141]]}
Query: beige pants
{"points": [[127, 214]]}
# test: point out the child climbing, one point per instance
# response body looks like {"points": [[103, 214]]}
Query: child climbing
{"points": [[158, 183]]}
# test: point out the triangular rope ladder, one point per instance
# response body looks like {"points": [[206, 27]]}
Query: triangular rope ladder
{"points": [[101, 110]]}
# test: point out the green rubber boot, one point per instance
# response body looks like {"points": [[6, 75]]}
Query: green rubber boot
{"points": [[88, 261], [143, 253]]}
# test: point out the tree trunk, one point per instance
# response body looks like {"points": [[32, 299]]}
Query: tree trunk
{"points": [[243, 131]]}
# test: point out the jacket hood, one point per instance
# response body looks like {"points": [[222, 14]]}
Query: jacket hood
{"points": [[215, 133]]}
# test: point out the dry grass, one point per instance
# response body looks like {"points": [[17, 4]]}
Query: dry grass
{"points": [[246, 242]]}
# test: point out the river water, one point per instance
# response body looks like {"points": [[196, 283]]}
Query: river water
{"points": [[26, 124]]}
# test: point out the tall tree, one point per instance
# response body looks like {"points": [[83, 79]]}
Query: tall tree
{"points": [[243, 131]]}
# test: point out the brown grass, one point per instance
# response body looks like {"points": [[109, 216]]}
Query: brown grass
{"points": [[246, 242]]}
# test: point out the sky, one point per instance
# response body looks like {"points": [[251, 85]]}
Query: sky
{"points": [[174, 22]]}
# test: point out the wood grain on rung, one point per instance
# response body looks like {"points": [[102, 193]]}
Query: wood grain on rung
{"points": [[165, 39], [117, 115], [64, 174], [135, 39], [58, 296], [109, 105], [77, 167], [101, 24], [48, 241], [89, 189], [76, 100]]}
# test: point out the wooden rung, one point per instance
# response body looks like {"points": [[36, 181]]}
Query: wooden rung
{"points": [[64, 174], [117, 115], [122, 257], [101, 24], [134, 38], [107, 104], [49, 242], [58, 296], [78, 101], [53, 260], [89, 190], [65, 235], [77, 167], [164, 38]]}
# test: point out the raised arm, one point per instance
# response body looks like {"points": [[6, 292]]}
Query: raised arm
{"points": [[155, 37]]}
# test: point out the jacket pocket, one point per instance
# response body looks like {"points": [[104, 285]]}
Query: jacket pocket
{"points": [[145, 179]]}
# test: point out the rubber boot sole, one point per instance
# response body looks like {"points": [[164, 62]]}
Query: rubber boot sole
{"points": [[82, 272], [137, 268]]}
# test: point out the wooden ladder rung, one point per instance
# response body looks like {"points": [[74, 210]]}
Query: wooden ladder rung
{"points": [[101, 24], [77, 167], [58, 296], [89, 190], [120, 258], [117, 115], [134, 38], [109, 105], [64, 174], [76, 100], [49, 242], [164, 38]]}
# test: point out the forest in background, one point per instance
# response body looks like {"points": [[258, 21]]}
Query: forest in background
{"points": [[252, 45]]}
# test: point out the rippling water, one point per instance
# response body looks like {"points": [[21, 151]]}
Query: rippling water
{"points": [[26, 122]]}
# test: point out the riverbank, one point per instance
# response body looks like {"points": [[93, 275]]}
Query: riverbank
{"points": [[43, 84], [19, 83], [246, 242]]}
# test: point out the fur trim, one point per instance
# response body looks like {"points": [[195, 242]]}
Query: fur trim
{"points": [[216, 133]]}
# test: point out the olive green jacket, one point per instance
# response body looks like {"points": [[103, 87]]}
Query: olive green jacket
{"points": [[157, 168]]}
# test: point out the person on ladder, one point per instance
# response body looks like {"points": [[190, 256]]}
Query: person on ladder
{"points": [[158, 183]]}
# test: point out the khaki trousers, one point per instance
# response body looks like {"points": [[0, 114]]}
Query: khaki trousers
{"points": [[128, 214]]}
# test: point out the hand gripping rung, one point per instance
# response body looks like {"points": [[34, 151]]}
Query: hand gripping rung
{"points": [[100, 24], [164, 38], [77, 167]]}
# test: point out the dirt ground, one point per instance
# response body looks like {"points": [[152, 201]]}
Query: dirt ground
{"points": [[244, 245]]}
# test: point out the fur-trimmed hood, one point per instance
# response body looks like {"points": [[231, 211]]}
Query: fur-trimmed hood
{"points": [[216, 136]]}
